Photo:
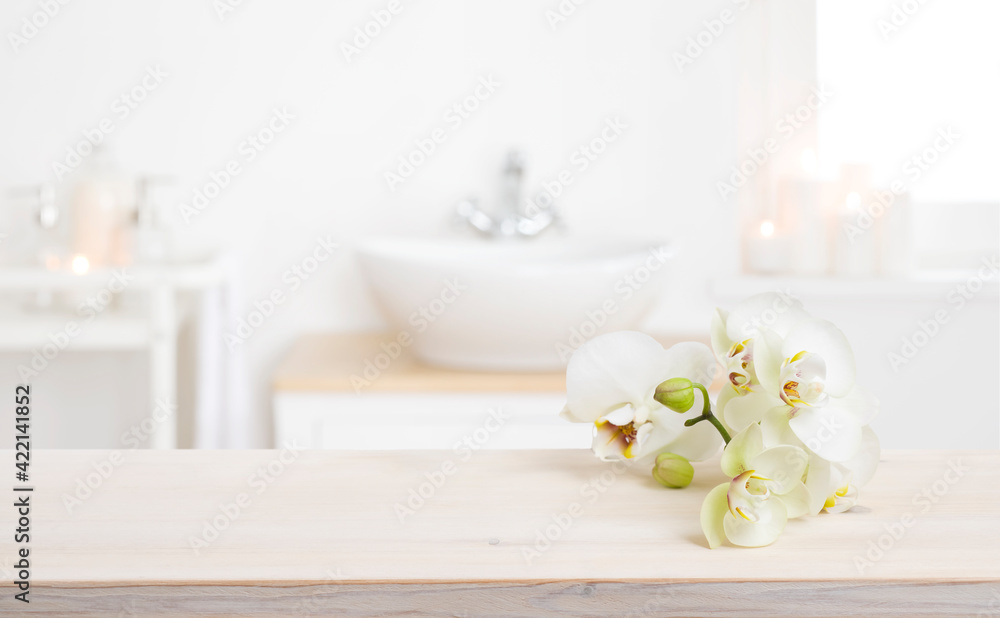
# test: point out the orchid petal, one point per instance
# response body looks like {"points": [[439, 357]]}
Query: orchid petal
{"points": [[720, 340], [767, 360], [783, 465], [829, 431], [608, 444], [743, 448], [748, 409], [772, 517], [635, 448], [823, 338], [861, 403], [567, 414], [611, 370], [696, 443], [713, 510], [796, 500], [862, 466], [844, 501], [725, 395], [620, 416], [691, 360], [818, 482], [775, 429]]}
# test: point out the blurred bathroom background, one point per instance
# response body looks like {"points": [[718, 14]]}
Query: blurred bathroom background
{"points": [[188, 191]]}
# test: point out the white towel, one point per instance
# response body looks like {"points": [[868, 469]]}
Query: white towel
{"points": [[222, 402]]}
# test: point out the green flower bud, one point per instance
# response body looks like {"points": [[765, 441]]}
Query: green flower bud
{"points": [[672, 470], [676, 393]]}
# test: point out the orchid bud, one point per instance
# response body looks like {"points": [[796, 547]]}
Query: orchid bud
{"points": [[672, 470], [676, 394]]}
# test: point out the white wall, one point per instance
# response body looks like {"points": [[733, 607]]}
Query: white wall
{"points": [[903, 70], [324, 173]]}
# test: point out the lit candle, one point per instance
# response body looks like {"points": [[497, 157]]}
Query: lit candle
{"points": [[857, 238], [80, 264], [767, 250]]}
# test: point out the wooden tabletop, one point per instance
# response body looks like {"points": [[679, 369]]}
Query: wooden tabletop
{"points": [[501, 532], [327, 362]]}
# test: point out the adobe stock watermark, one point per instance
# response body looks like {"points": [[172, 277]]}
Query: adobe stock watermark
{"points": [[223, 8], [768, 316], [957, 298], [562, 12], [915, 168], [463, 449], [580, 160], [121, 108], [784, 129], [454, 117], [624, 289], [925, 500], [247, 151], [898, 17], [32, 25], [60, 340], [421, 319], [257, 483], [293, 278], [704, 38], [367, 32], [105, 467], [590, 492]]}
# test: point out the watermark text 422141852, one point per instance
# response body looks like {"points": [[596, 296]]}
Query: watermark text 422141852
{"points": [[22, 491]]}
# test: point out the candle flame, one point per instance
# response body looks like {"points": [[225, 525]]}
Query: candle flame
{"points": [[766, 229], [80, 264], [853, 201]]}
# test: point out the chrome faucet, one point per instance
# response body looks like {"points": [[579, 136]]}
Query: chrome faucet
{"points": [[514, 218]]}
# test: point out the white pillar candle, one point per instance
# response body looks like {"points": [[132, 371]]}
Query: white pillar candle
{"points": [[768, 251], [856, 238]]}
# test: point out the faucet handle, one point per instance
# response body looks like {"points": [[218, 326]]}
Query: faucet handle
{"points": [[468, 211], [516, 162]]}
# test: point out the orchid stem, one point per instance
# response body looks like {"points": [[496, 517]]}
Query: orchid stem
{"points": [[706, 414]]}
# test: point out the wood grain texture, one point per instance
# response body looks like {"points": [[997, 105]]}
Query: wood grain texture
{"points": [[326, 362], [496, 538], [595, 599]]}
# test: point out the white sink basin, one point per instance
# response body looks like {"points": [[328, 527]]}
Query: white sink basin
{"points": [[516, 305]]}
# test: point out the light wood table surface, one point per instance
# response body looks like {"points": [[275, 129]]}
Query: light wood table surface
{"points": [[508, 533], [326, 362]]}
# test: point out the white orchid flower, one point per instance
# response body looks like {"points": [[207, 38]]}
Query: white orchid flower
{"points": [[809, 373], [733, 333], [610, 382], [832, 486], [766, 491]]}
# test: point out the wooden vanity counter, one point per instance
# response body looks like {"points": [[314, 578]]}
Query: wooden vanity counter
{"points": [[501, 533]]}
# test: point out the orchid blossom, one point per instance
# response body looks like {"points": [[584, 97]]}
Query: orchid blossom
{"points": [[610, 382], [766, 490], [801, 441]]}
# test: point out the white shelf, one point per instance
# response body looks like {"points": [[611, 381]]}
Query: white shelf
{"points": [[929, 286], [179, 276], [113, 330]]}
